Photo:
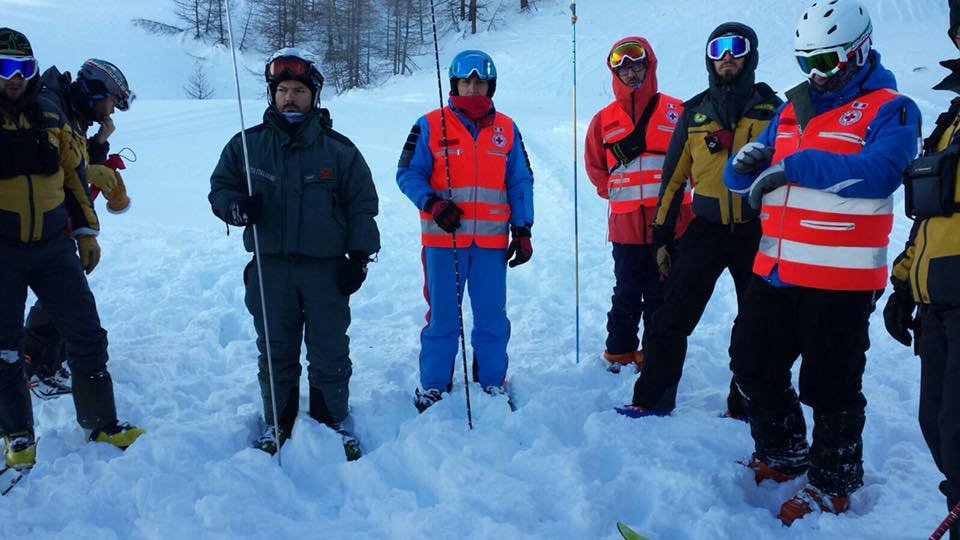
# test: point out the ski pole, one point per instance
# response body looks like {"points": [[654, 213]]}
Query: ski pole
{"points": [[256, 238], [947, 522], [456, 263], [576, 213]]}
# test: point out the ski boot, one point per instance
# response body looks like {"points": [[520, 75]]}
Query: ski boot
{"points": [[616, 362], [267, 442], [119, 434], [636, 411], [810, 499], [762, 471], [426, 398], [21, 450]]}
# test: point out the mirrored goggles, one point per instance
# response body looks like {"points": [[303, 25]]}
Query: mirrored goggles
{"points": [[10, 66], [473, 64], [627, 51], [737, 46], [287, 65]]}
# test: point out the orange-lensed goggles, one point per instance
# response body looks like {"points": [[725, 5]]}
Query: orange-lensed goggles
{"points": [[630, 50], [287, 65]]}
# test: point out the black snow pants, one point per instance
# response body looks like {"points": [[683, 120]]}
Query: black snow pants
{"points": [[637, 294], [43, 348], [706, 250], [304, 304], [939, 347], [829, 331], [52, 270]]}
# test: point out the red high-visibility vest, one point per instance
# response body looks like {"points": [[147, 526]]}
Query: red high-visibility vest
{"points": [[637, 183], [477, 178], [816, 238]]}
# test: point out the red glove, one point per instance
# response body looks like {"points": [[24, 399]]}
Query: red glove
{"points": [[446, 214], [521, 249]]}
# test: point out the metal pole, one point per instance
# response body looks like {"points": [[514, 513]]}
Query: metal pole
{"points": [[576, 212], [256, 238], [456, 263]]}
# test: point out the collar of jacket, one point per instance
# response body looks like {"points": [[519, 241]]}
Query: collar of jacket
{"points": [[313, 125], [952, 81], [872, 76], [701, 103]]}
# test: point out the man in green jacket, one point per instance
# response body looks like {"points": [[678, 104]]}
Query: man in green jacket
{"points": [[313, 201]]}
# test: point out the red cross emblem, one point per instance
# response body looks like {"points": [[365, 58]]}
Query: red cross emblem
{"points": [[499, 140], [850, 117]]}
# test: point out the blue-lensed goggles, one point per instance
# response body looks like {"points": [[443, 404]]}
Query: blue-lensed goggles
{"points": [[469, 64], [10, 66], [737, 46]]}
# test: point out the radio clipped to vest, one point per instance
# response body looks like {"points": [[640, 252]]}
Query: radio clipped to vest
{"points": [[27, 151], [930, 184]]}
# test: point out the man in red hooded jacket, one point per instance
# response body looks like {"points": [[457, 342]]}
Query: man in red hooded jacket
{"points": [[625, 148]]}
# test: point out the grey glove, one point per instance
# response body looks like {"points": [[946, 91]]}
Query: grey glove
{"points": [[751, 157], [769, 180]]}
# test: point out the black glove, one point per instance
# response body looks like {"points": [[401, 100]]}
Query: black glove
{"points": [[352, 272], [769, 180], [521, 249], [446, 214], [630, 147], [751, 157], [246, 211], [898, 313]]}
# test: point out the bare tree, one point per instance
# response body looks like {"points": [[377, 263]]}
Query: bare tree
{"points": [[198, 86]]}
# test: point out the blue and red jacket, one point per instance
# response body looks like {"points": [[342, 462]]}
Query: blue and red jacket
{"points": [[870, 171], [416, 170]]}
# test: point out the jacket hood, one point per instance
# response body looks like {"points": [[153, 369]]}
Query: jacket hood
{"points": [[634, 100], [743, 83], [952, 81]]}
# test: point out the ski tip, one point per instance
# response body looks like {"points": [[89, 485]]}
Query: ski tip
{"points": [[628, 533]]}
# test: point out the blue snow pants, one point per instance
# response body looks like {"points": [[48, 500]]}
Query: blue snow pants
{"points": [[484, 273]]}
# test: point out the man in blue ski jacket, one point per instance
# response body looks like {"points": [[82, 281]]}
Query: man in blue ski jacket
{"points": [[823, 174], [478, 202]]}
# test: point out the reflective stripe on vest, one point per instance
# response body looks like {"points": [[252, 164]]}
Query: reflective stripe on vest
{"points": [[477, 180], [637, 183], [816, 238]]}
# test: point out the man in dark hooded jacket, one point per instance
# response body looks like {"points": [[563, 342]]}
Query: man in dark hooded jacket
{"points": [[724, 231], [313, 204], [624, 151]]}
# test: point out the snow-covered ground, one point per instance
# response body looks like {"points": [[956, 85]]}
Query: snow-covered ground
{"points": [[564, 465]]}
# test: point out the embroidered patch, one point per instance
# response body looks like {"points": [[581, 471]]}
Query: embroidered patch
{"points": [[765, 107], [859, 105], [672, 115], [699, 118], [499, 140], [326, 173], [497, 129], [850, 117]]}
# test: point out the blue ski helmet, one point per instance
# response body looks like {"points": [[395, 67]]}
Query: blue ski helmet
{"points": [[471, 62]]}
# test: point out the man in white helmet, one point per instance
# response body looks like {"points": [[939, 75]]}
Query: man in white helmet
{"points": [[823, 174], [314, 204]]}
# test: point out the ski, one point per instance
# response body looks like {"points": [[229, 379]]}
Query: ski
{"points": [[9, 478], [628, 533]]}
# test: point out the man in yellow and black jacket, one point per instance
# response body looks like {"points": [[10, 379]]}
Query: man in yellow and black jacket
{"points": [[724, 232], [928, 273], [42, 185]]}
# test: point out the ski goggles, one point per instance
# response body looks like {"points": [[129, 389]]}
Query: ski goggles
{"points": [[288, 65], [466, 65], [630, 50], [828, 62], [26, 66], [737, 46], [95, 90]]}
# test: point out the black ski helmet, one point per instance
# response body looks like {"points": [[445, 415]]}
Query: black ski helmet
{"points": [[292, 64]]}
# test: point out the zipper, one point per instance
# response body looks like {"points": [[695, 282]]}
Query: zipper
{"points": [[33, 208], [915, 278], [476, 180]]}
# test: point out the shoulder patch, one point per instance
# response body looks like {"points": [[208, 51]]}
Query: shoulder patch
{"points": [[700, 118], [765, 107]]}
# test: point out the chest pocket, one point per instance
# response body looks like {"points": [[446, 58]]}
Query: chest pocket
{"points": [[321, 206], [27, 151]]}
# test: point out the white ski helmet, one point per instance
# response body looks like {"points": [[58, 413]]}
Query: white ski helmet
{"points": [[290, 63], [831, 33]]}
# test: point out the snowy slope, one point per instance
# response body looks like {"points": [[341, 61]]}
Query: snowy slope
{"points": [[564, 465]]}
